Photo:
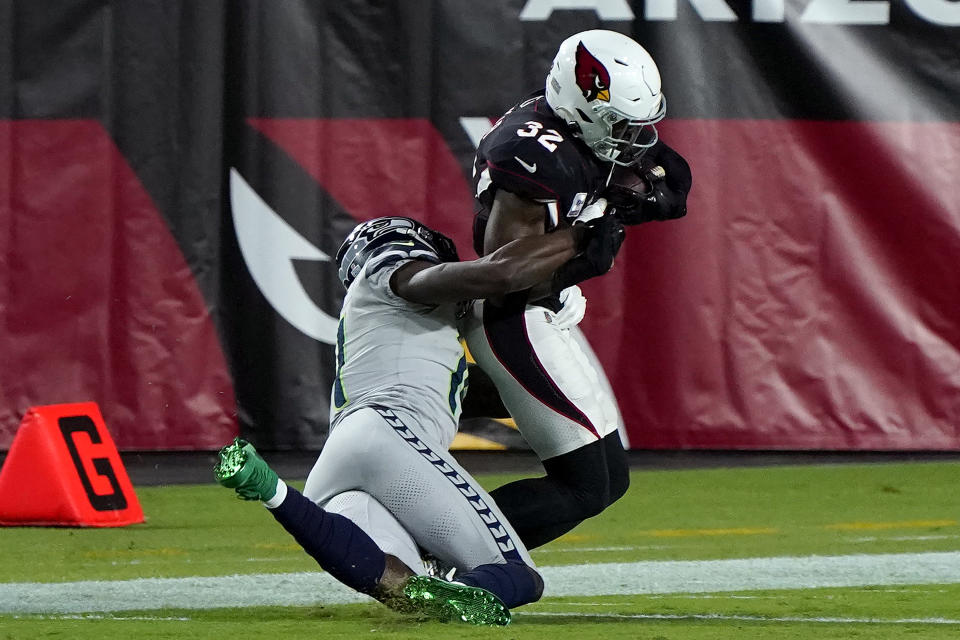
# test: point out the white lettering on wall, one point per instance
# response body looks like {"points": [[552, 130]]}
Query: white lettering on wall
{"points": [[846, 12], [768, 11], [850, 12], [710, 10], [945, 12], [540, 10]]}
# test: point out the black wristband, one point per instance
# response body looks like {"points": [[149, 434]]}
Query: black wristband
{"points": [[573, 272], [662, 203], [602, 239]]}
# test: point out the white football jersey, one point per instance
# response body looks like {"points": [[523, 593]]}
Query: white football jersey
{"points": [[398, 354]]}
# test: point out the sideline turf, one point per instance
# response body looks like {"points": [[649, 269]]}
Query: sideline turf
{"points": [[691, 515], [684, 515], [553, 619]]}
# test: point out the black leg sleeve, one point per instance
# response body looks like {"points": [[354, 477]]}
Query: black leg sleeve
{"points": [[618, 467], [578, 485]]}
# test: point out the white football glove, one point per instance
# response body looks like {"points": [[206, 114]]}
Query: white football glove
{"points": [[574, 308], [592, 211]]}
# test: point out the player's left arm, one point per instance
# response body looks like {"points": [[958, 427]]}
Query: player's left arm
{"points": [[517, 265]]}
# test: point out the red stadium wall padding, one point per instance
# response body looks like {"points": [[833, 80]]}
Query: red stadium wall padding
{"points": [[377, 167], [804, 302], [809, 299], [96, 300]]}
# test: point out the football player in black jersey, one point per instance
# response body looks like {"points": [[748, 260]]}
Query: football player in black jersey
{"points": [[557, 158]]}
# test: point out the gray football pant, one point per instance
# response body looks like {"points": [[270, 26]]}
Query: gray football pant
{"points": [[421, 495]]}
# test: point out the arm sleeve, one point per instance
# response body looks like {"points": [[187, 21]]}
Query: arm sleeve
{"points": [[380, 268], [378, 280]]}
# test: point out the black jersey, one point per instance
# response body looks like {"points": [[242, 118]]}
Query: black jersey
{"points": [[532, 153]]}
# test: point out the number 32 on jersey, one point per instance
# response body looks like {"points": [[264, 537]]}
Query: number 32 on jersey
{"points": [[546, 137]]}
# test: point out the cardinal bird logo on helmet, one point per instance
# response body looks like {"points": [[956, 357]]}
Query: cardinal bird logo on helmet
{"points": [[592, 77]]}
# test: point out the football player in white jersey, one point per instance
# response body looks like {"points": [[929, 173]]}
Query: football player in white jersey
{"points": [[385, 485]]}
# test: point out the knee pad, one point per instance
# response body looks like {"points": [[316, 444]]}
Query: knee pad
{"points": [[591, 503], [584, 477], [538, 583], [619, 481], [618, 467]]}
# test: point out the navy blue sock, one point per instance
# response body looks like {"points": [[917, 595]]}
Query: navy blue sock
{"points": [[340, 547], [514, 583]]}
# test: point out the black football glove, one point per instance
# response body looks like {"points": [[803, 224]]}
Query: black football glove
{"points": [[600, 245], [668, 180], [660, 203]]}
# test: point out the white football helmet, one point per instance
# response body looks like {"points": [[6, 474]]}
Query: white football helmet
{"points": [[607, 88]]}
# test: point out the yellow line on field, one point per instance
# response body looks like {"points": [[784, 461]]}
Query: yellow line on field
{"points": [[754, 531], [276, 546], [690, 533], [908, 524], [577, 537], [683, 533], [471, 442], [133, 553]]}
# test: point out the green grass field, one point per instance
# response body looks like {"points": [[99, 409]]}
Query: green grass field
{"points": [[860, 513]]}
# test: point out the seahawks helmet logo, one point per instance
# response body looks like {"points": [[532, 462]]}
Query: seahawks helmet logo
{"points": [[592, 77]]}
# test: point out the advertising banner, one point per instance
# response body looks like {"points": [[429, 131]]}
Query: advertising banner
{"points": [[176, 177]]}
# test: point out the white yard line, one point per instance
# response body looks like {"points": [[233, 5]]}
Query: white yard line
{"points": [[900, 538], [706, 576], [654, 577], [718, 616]]}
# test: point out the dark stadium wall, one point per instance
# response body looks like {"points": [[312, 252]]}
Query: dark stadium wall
{"points": [[175, 177]]}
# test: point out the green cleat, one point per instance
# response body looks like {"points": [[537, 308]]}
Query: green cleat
{"points": [[446, 601], [242, 469]]}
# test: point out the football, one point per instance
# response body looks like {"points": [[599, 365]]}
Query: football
{"points": [[630, 178], [629, 185]]}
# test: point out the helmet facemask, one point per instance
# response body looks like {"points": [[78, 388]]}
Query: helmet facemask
{"points": [[627, 139]]}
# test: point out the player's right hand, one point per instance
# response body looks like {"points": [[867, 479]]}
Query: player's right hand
{"points": [[602, 243], [592, 211], [599, 246]]}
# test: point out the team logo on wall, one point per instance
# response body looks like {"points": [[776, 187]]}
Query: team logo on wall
{"points": [[270, 248], [592, 77]]}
